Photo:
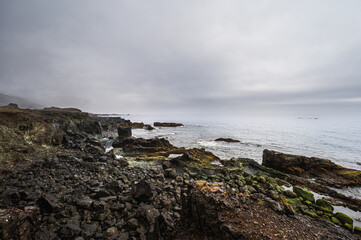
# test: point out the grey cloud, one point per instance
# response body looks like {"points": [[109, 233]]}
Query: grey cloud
{"points": [[174, 56]]}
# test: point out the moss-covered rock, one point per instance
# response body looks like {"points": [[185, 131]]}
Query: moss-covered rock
{"points": [[348, 226], [294, 201], [289, 194], [261, 179], [344, 218], [357, 230], [288, 207], [335, 221], [326, 217], [305, 194], [324, 205], [319, 213], [310, 213]]}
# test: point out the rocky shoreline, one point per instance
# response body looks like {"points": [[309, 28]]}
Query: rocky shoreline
{"points": [[59, 182]]}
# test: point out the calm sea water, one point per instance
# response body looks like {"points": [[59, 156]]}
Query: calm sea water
{"points": [[336, 138]]}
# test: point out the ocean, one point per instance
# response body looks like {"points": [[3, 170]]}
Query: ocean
{"points": [[334, 138]]}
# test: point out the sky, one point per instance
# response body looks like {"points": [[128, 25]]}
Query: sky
{"points": [[191, 57]]}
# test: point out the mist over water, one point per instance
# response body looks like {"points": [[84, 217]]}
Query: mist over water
{"points": [[334, 138]]}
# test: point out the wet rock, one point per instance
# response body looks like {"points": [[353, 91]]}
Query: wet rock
{"points": [[325, 171], [195, 155], [343, 218], [167, 124], [124, 132], [324, 205], [289, 194], [228, 140], [148, 127], [305, 194], [47, 202], [143, 191], [138, 146]]}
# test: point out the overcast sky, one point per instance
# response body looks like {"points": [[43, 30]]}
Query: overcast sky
{"points": [[183, 56]]}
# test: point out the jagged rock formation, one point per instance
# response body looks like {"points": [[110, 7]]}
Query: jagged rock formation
{"points": [[323, 170]]}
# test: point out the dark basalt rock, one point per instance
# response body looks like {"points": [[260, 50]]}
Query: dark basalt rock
{"points": [[47, 202], [210, 214], [167, 124], [197, 155], [124, 132], [229, 140], [146, 146], [325, 171], [143, 191], [148, 127], [19, 224]]}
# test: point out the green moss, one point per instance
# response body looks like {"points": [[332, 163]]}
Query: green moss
{"points": [[305, 194], [324, 205], [344, 218], [348, 226], [310, 213], [335, 220], [326, 217], [319, 213], [357, 230], [353, 173], [294, 201]]}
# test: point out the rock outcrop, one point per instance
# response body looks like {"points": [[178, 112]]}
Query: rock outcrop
{"points": [[195, 155], [208, 212], [167, 124], [229, 140], [323, 170], [25, 132], [141, 146]]}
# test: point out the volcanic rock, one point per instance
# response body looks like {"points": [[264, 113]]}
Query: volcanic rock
{"points": [[143, 191], [323, 170], [124, 132], [197, 155], [167, 124], [229, 140]]}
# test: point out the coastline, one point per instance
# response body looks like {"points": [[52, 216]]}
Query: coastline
{"points": [[57, 173]]}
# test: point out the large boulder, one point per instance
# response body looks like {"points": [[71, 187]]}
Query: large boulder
{"points": [[195, 155], [124, 132], [143, 191], [323, 170], [139, 146]]}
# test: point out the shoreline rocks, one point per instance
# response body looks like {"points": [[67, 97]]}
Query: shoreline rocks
{"points": [[167, 124], [325, 171], [73, 189], [228, 140]]}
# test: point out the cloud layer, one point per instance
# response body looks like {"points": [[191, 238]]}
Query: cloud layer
{"points": [[182, 56]]}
